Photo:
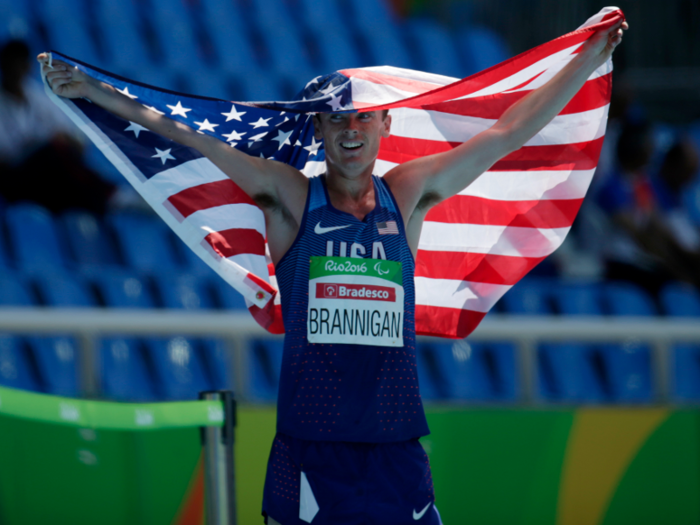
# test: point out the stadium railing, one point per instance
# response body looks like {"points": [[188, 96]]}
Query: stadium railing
{"points": [[526, 332]]}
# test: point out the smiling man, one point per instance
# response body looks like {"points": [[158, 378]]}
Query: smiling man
{"points": [[343, 244]]}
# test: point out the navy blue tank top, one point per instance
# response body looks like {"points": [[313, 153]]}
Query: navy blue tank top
{"points": [[347, 392]]}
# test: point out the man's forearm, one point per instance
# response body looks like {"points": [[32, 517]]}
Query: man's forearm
{"points": [[122, 106]]}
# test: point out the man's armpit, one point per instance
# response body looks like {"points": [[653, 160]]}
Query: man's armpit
{"points": [[272, 204]]}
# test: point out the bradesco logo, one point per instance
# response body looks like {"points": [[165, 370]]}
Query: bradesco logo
{"points": [[355, 291]]}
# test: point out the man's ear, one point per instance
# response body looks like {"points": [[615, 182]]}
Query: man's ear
{"points": [[317, 127], [386, 128]]}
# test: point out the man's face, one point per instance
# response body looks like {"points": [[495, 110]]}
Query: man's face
{"points": [[351, 140]]}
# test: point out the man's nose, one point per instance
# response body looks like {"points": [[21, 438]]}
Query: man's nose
{"points": [[351, 126]]}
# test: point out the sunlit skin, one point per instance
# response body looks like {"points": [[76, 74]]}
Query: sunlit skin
{"points": [[351, 142]]}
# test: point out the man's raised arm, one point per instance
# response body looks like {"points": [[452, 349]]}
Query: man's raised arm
{"points": [[255, 176], [420, 184]]}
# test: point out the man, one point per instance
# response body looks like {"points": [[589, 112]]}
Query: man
{"points": [[349, 411]]}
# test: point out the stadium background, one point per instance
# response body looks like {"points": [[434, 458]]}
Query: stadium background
{"points": [[597, 447]]}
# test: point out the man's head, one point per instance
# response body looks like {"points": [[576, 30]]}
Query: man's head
{"points": [[351, 140]]}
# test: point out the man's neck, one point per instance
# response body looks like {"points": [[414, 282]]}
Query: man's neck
{"points": [[351, 194]]}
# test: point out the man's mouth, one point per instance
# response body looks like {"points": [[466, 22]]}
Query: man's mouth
{"points": [[350, 145]]}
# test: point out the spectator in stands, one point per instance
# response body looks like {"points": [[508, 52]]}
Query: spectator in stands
{"points": [[40, 150], [643, 246]]}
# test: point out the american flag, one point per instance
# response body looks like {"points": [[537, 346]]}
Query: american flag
{"points": [[473, 247], [388, 228]]}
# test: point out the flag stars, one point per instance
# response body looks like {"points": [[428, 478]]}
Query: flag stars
{"points": [[328, 89], [314, 81], [125, 91], [256, 138], [335, 103], [283, 138], [234, 135], [313, 147], [179, 110], [233, 114], [206, 126], [136, 128], [163, 155], [261, 123]]}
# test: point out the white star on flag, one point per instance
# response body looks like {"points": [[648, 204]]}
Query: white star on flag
{"points": [[261, 123], [335, 103], [283, 138], [314, 81], [206, 126], [153, 109], [313, 147], [234, 135], [125, 91], [163, 155], [136, 128], [233, 114], [330, 88], [179, 110], [256, 138], [286, 119]]}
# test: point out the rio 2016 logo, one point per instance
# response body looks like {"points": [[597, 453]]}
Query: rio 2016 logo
{"points": [[347, 266], [378, 269]]}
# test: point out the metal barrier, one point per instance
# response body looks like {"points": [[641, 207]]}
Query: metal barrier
{"points": [[526, 332]]}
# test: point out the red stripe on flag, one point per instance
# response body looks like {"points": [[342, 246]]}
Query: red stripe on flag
{"points": [[466, 209], [594, 94], [404, 84], [270, 317], [446, 322], [580, 156], [474, 267], [236, 241], [209, 195]]}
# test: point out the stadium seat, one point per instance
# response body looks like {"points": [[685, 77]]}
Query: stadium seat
{"points": [[529, 297], [259, 87], [16, 367], [145, 242], [177, 367], [265, 363], [681, 300], [177, 43], [64, 291], [124, 374], [122, 289], [89, 243], [582, 298], [14, 291], [125, 47], [227, 31], [72, 36], [571, 373], [628, 365], [480, 49], [226, 296], [34, 239], [435, 48], [16, 20], [470, 371]]}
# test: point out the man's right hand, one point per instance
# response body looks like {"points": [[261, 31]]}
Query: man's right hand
{"points": [[65, 80]]}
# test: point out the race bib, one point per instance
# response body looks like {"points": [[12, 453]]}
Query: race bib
{"points": [[355, 301]]}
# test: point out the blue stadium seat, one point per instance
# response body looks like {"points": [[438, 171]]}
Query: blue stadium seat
{"points": [[145, 242], [16, 367], [90, 245], [72, 36], [227, 31], [581, 298], [282, 37], [174, 30], [227, 296], [432, 388], [124, 43], [265, 364], [471, 371], [217, 363], [34, 239], [16, 20], [681, 300], [436, 48], [259, 87], [529, 297], [57, 361], [14, 291], [64, 291], [122, 289], [570, 372], [380, 32], [183, 291], [480, 49], [628, 365], [177, 367], [124, 374]]}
